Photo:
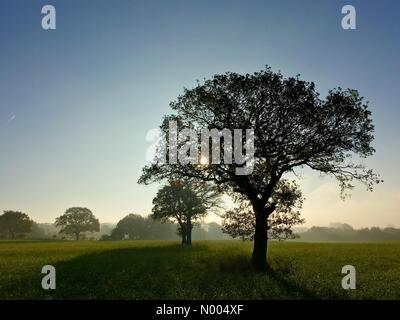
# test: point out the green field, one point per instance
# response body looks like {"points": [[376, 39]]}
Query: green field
{"points": [[208, 270]]}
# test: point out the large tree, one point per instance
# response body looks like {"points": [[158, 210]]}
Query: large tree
{"points": [[15, 222], [293, 128], [77, 220], [186, 203]]}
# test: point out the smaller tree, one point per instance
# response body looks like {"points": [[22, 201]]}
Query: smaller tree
{"points": [[15, 222], [239, 222], [134, 226], [77, 220], [36, 232], [184, 202]]}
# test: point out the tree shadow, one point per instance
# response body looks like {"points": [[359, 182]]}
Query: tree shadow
{"points": [[291, 286], [142, 272], [281, 274], [154, 272]]}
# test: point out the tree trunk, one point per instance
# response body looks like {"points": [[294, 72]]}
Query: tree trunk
{"points": [[77, 236], [184, 239], [259, 257], [183, 234], [189, 233]]}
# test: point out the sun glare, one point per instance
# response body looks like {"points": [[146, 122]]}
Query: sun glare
{"points": [[204, 160]]}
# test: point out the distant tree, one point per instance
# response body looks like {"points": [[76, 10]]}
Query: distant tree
{"points": [[214, 232], [240, 221], [293, 128], [105, 237], [106, 229], [162, 230], [186, 203], [134, 226], [345, 232], [49, 229], [14, 223], [341, 226], [36, 232], [77, 220]]}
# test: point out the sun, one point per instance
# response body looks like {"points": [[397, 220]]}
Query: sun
{"points": [[204, 160]]}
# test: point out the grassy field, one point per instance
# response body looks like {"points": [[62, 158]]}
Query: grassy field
{"points": [[208, 270]]}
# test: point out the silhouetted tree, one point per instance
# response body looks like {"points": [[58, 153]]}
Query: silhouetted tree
{"points": [[293, 128], [186, 203], [15, 222], [77, 220]]}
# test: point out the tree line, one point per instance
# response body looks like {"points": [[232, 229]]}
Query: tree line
{"points": [[180, 205], [17, 225], [131, 227], [345, 232]]}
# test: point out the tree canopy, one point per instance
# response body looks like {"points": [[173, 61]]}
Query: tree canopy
{"points": [[186, 203], [77, 220], [293, 128], [133, 226], [14, 223]]}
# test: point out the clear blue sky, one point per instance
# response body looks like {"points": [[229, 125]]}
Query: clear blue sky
{"points": [[76, 102]]}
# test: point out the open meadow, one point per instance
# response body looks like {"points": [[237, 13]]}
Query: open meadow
{"points": [[208, 270]]}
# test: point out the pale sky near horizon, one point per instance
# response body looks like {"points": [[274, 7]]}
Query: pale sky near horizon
{"points": [[76, 102]]}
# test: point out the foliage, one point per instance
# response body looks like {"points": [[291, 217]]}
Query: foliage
{"points": [[240, 221], [14, 223], [77, 220], [133, 226], [186, 203]]}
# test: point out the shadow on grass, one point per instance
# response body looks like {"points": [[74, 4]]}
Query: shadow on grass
{"points": [[290, 286], [282, 275], [161, 272]]}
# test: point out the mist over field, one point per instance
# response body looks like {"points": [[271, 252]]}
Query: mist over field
{"points": [[212, 231]]}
